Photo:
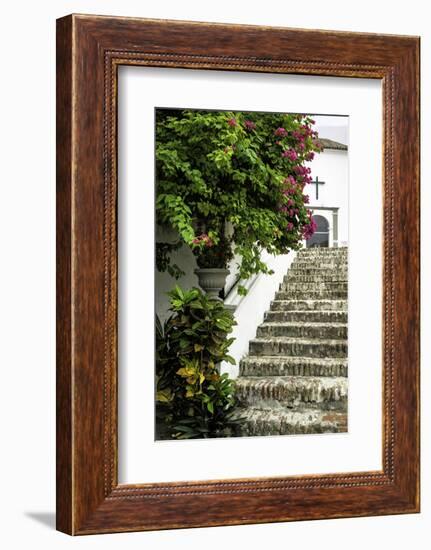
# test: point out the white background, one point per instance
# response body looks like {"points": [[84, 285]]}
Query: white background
{"points": [[141, 458], [27, 274]]}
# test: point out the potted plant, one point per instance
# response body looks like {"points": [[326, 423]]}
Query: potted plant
{"points": [[243, 170], [212, 260]]}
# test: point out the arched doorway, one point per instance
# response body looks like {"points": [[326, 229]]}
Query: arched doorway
{"points": [[321, 235]]}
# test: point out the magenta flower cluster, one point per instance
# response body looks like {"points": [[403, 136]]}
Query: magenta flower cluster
{"points": [[309, 228], [303, 173], [298, 141], [248, 124], [291, 154], [294, 184], [282, 132]]}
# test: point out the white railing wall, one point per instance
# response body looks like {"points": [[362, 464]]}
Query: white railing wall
{"points": [[250, 309]]}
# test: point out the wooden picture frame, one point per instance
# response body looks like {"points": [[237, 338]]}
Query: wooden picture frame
{"points": [[89, 51]]}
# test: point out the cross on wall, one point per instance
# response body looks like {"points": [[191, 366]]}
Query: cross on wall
{"points": [[316, 182]]}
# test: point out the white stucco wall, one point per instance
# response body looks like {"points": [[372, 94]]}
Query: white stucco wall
{"points": [[251, 308]]}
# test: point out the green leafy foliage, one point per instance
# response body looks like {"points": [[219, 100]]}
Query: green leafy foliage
{"points": [[193, 400], [244, 171]]}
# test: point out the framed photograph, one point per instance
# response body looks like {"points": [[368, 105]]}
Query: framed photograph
{"points": [[237, 274]]}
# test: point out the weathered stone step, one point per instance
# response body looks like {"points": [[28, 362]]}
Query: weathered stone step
{"points": [[308, 305], [292, 391], [320, 253], [292, 366], [312, 271], [315, 286], [308, 330], [305, 294], [321, 259], [325, 264], [306, 316], [298, 347], [285, 422], [313, 252], [334, 278]]}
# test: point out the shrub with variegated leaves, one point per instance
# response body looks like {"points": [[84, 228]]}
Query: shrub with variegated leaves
{"points": [[192, 398]]}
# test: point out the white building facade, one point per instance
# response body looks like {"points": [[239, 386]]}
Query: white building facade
{"points": [[329, 195]]}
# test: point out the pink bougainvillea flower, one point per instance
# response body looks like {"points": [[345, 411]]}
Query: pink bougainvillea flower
{"points": [[310, 156], [309, 229], [203, 239], [306, 129], [249, 125], [306, 199], [300, 170], [290, 226], [232, 122], [281, 132], [291, 154]]}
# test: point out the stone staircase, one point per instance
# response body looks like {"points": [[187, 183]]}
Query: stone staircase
{"points": [[294, 379]]}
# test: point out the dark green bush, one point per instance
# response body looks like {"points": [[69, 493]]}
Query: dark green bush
{"points": [[193, 400]]}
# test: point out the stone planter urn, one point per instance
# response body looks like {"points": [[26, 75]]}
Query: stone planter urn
{"points": [[212, 280]]}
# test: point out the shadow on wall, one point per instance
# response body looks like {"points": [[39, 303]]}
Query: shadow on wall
{"points": [[185, 259]]}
